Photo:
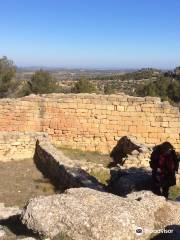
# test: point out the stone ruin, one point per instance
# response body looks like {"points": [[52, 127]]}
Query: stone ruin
{"points": [[86, 209], [92, 122], [130, 153]]}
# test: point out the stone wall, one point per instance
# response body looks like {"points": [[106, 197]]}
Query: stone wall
{"points": [[62, 170], [18, 145], [92, 122]]}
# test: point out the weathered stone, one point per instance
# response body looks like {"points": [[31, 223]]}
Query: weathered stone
{"points": [[2, 234], [144, 149], [19, 145], [68, 119], [135, 152], [89, 214], [129, 151], [6, 212], [30, 238], [61, 170]]}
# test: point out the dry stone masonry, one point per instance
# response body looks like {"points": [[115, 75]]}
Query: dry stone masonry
{"points": [[61, 170], [127, 127], [19, 145], [92, 122]]}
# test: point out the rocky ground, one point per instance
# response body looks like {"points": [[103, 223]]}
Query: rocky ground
{"points": [[90, 210]]}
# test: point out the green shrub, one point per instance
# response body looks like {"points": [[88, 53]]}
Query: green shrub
{"points": [[109, 89], [164, 87], [7, 72], [83, 86], [42, 82], [174, 192]]}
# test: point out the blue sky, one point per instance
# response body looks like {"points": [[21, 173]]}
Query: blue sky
{"points": [[91, 33]]}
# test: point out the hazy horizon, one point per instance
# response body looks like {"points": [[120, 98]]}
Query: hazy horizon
{"points": [[104, 34], [88, 68]]}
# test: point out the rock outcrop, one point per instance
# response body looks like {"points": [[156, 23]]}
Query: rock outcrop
{"points": [[83, 213]]}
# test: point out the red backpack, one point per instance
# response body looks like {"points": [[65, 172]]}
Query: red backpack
{"points": [[166, 163]]}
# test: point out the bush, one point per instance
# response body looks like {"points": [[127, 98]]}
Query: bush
{"points": [[84, 86], [165, 87], [109, 89], [7, 72], [42, 82]]}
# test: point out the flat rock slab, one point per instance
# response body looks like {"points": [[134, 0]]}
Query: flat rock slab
{"points": [[83, 213]]}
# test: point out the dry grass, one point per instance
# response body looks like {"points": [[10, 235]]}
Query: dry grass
{"points": [[94, 157], [174, 192], [101, 175]]}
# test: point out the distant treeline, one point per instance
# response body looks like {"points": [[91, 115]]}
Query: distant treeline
{"points": [[157, 83], [137, 75], [166, 87]]}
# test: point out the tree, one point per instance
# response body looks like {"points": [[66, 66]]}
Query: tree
{"points": [[174, 91], [7, 72], [109, 89], [147, 90], [83, 86], [43, 82], [165, 87]]}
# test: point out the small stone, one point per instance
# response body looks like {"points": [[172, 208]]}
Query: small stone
{"points": [[2, 233], [30, 238], [143, 149], [135, 152]]}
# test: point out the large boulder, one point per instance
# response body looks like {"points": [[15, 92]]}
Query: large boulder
{"points": [[83, 213]]}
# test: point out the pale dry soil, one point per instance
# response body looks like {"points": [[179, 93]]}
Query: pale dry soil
{"points": [[20, 181]]}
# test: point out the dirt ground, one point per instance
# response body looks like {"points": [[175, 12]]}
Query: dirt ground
{"points": [[20, 181]]}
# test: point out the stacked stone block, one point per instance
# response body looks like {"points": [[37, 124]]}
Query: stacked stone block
{"points": [[92, 122], [19, 145]]}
